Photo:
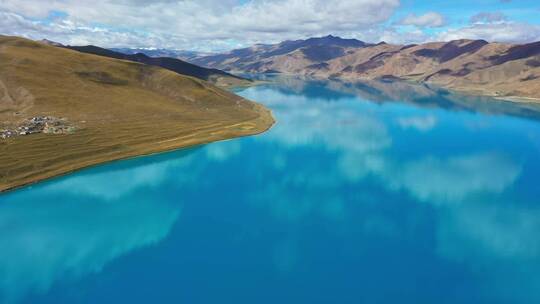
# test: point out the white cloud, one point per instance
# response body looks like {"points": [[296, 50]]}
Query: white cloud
{"points": [[120, 182], [54, 239], [363, 146], [420, 123], [441, 180], [430, 19], [217, 25], [392, 35], [499, 241], [486, 17], [512, 32], [181, 24], [221, 153]]}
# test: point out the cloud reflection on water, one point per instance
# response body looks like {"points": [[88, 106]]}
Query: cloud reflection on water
{"points": [[76, 225], [475, 223], [45, 240], [363, 142], [330, 158]]}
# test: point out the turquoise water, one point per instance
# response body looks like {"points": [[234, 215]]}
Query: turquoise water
{"points": [[365, 193]]}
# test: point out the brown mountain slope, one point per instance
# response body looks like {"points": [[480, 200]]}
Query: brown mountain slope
{"points": [[215, 76], [114, 109], [475, 66], [291, 56]]}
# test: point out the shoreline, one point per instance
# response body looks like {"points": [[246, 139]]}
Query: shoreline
{"points": [[210, 134], [250, 127], [518, 99], [119, 109], [483, 93], [480, 92]]}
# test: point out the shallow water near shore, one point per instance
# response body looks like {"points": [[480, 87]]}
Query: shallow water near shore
{"points": [[361, 193]]}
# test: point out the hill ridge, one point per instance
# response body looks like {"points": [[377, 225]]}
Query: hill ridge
{"points": [[102, 109], [212, 75]]}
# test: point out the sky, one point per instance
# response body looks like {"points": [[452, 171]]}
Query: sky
{"points": [[221, 25]]}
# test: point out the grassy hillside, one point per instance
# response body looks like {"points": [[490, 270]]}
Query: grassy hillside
{"points": [[119, 109]]}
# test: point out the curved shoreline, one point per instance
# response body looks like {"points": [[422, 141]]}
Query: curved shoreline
{"points": [[118, 109], [250, 127], [473, 91]]}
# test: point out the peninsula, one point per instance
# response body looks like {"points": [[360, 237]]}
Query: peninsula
{"points": [[62, 110]]}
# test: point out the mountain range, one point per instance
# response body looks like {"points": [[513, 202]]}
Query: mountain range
{"points": [[214, 76], [475, 66], [152, 52]]}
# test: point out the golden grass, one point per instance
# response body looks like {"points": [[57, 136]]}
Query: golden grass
{"points": [[121, 109]]}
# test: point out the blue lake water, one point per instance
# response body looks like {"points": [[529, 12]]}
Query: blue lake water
{"points": [[361, 193]]}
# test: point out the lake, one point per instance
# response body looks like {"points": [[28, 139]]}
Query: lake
{"points": [[379, 192]]}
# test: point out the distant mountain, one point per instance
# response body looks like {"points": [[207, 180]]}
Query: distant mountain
{"points": [[476, 66], [214, 76], [469, 65], [286, 55], [178, 54], [50, 42]]}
